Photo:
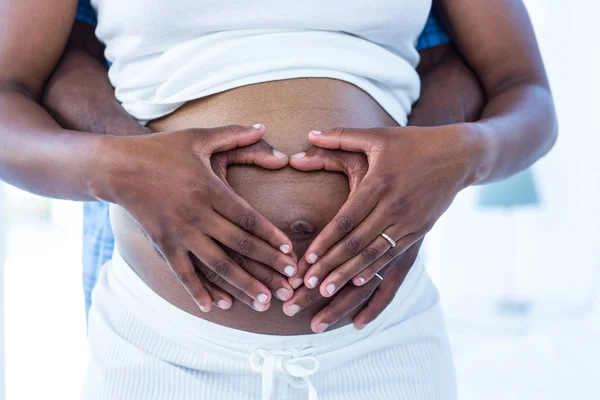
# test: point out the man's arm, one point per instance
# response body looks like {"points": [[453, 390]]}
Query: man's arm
{"points": [[79, 95], [450, 91]]}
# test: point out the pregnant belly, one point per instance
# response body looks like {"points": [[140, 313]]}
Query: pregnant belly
{"points": [[299, 203]]}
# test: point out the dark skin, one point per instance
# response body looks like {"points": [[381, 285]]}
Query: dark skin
{"points": [[415, 173], [80, 97], [38, 155]]}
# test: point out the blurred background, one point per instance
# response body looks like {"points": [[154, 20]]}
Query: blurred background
{"points": [[517, 264]]}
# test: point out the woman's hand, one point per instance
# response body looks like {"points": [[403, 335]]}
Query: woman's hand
{"points": [[370, 298], [412, 178], [167, 184]]}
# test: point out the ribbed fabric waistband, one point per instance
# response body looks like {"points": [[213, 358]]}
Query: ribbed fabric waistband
{"points": [[191, 331]]}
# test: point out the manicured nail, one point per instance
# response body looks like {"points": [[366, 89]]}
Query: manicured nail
{"points": [[278, 154], [223, 304], [283, 294], [203, 309], [315, 132], [312, 258], [257, 126], [258, 306], [285, 248], [262, 298], [312, 281], [298, 156], [361, 281], [330, 288], [296, 283], [321, 327], [292, 310], [289, 270]]}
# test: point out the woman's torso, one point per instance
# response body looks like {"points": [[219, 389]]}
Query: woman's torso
{"points": [[299, 203]]}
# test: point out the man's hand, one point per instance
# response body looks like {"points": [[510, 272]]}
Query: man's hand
{"points": [[166, 183]]}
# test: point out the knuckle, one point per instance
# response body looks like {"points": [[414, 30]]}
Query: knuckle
{"points": [[311, 297], [200, 190], [212, 276], [340, 131], [235, 129], [369, 254], [401, 205], [187, 214], [244, 244], [352, 245], [344, 223], [266, 279], [222, 268], [362, 294], [248, 222], [184, 277]]}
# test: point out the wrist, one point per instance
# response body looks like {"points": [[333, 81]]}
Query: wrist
{"points": [[106, 169], [479, 153]]}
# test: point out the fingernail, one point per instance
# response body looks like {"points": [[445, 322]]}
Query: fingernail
{"points": [[330, 288], [289, 270], [312, 258], [278, 154], [223, 304], [321, 327], [285, 248], [257, 126], [203, 309], [360, 327], [312, 281], [258, 306], [283, 294], [315, 132], [262, 298], [292, 310], [298, 156], [296, 283], [361, 281]]}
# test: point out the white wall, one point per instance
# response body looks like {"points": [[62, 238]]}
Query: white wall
{"points": [[2, 258]]}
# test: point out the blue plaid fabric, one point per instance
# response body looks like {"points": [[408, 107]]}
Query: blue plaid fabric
{"points": [[98, 239]]}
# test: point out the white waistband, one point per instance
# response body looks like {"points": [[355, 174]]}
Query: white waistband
{"points": [[189, 330]]}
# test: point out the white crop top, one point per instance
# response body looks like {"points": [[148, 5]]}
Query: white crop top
{"points": [[165, 53]]}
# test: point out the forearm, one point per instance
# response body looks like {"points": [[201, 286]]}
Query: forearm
{"points": [[79, 94], [518, 123], [518, 127], [450, 91], [39, 156]]}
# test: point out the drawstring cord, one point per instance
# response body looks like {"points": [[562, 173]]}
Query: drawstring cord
{"points": [[297, 366]]}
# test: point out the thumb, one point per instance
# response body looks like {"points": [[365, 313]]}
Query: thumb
{"points": [[348, 139], [354, 165], [260, 153], [229, 137]]}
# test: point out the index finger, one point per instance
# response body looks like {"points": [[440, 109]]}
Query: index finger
{"points": [[360, 203], [238, 211]]}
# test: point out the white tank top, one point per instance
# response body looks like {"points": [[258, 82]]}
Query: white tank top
{"points": [[165, 53]]}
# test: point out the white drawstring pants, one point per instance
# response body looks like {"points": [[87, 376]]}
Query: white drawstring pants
{"points": [[144, 348]]}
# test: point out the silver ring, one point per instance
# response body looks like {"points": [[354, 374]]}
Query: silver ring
{"points": [[379, 276], [389, 239]]}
